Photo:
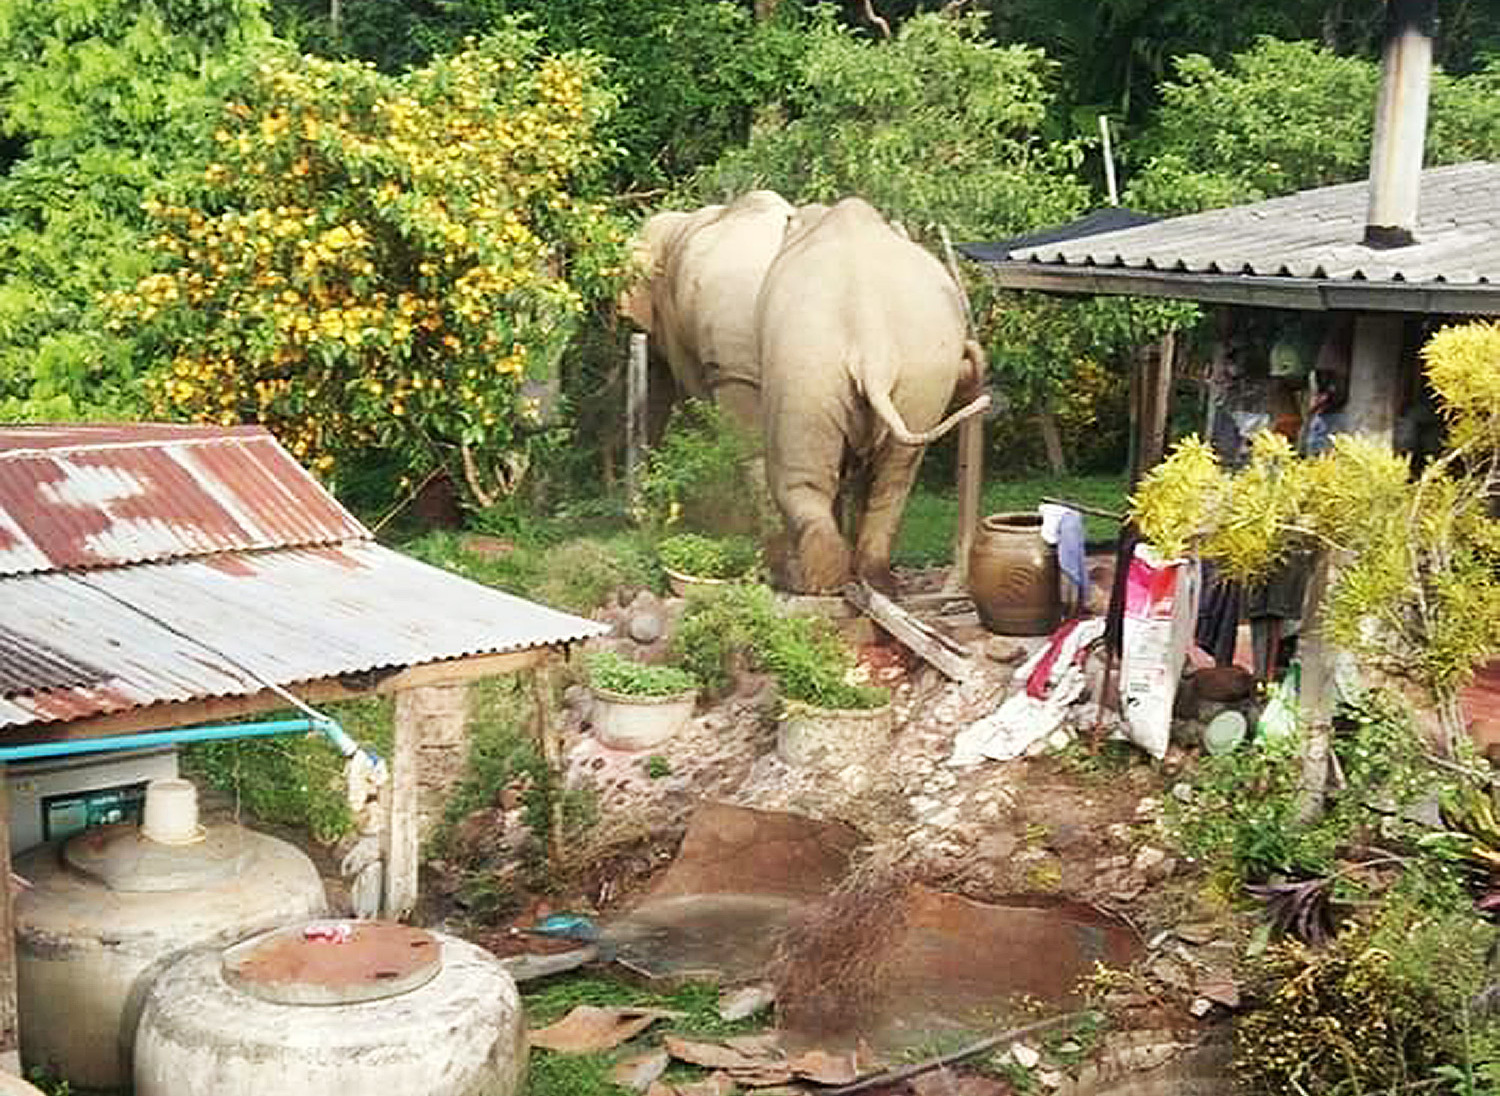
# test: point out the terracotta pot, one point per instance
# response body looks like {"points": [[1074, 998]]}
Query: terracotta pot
{"points": [[625, 722], [832, 738], [1013, 576]]}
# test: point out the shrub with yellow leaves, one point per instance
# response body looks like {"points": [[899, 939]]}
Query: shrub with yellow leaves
{"points": [[388, 263], [1416, 591]]}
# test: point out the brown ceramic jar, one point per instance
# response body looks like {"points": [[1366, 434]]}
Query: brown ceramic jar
{"points": [[1013, 576]]}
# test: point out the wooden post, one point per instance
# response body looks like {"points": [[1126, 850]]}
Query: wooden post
{"points": [[402, 844], [1316, 691], [10, 1039], [970, 487], [551, 747], [636, 404], [1153, 401]]}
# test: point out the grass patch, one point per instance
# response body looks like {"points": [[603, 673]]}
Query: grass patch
{"points": [[926, 536], [575, 575]]}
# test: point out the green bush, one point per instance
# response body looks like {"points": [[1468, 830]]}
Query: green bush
{"points": [[1242, 819], [707, 557], [614, 672], [695, 477], [742, 627], [1379, 1009]]}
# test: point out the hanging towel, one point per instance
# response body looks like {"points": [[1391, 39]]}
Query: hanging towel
{"points": [[1063, 526]]}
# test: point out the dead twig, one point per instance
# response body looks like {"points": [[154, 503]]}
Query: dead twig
{"points": [[904, 1073]]}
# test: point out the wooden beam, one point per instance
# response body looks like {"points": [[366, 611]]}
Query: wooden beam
{"points": [[637, 401], [970, 487], [219, 709], [950, 658], [1151, 399], [10, 1039]]}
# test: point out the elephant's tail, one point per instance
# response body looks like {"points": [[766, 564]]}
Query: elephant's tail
{"points": [[881, 402]]}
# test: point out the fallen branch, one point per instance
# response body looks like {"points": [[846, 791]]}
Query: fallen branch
{"points": [[950, 658], [904, 1073]]}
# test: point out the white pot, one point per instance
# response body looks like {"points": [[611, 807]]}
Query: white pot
{"points": [[682, 584], [832, 738], [625, 722]]}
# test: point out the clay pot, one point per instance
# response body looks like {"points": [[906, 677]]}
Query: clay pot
{"points": [[1013, 576]]}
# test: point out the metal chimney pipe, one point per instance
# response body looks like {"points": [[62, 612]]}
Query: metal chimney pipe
{"points": [[1400, 123]]}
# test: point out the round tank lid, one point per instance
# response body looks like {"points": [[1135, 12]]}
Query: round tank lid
{"points": [[334, 962], [124, 859]]}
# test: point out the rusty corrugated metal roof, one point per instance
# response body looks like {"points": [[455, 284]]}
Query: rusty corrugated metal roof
{"points": [[89, 496], [288, 616], [1302, 250]]}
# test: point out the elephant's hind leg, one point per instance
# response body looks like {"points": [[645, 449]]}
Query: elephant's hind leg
{"points": [[823, 561], [894, 471]]}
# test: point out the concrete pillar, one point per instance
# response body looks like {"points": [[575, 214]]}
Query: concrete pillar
{"points": [[1374, 375], [429, 759]]}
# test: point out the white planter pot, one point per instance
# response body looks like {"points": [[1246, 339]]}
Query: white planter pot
{"points": [[832, 738], [682, 585], [624, 722]]}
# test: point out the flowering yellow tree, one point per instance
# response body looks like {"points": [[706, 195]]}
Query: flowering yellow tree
{"points": [[388, 263]]}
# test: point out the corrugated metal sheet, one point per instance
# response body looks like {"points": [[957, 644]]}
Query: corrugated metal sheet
{"points": [[97, 496], [1312, 234], [289, 616]]}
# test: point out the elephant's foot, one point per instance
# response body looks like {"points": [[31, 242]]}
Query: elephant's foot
{"points": [[824, 561], [879, 575]]}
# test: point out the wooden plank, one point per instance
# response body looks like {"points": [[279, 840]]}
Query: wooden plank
{"points": [[401, 838], [218, 709], [950, 658], [970, 485], [636, 405]]}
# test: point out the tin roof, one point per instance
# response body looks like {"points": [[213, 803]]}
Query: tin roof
{"points": [[1300, 251], [150, 563], [100, 495], [107, 640]]}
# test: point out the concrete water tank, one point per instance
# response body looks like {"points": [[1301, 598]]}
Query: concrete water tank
{"points": [[110, 907], [333, 1008]]}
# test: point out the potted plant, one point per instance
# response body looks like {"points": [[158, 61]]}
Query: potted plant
{"points": [[637, 706], [693, 561], [828, 720]]}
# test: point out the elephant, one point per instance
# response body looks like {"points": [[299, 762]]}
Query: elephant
{"points": [[696, 299], [862, 338]]}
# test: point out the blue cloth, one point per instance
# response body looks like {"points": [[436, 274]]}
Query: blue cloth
{"points": [[1063, 527]]}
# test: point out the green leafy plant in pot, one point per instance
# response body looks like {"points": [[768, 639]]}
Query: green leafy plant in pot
{"points": [[636, 705], [692, 560]]}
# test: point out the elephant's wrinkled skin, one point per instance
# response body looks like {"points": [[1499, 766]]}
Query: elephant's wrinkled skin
{"points": [[703, 271], [862, 343]]}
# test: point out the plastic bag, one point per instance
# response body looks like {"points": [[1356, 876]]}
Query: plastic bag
{"points": [[1161, 609], [1278, 719]]}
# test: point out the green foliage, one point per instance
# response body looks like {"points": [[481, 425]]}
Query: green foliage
{"points": [[691, 72], [106, 102], [294, 781], [389, 264], [615, 673], [1242, 820], [1377, 1010], [741, 627], [577, 574], [937, 126], [1285, 116], [707, 557], [696, 476], [657, 767]]}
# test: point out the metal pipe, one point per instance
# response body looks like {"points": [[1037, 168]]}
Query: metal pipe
{"points": [[1400, 124], [182, 736]]}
